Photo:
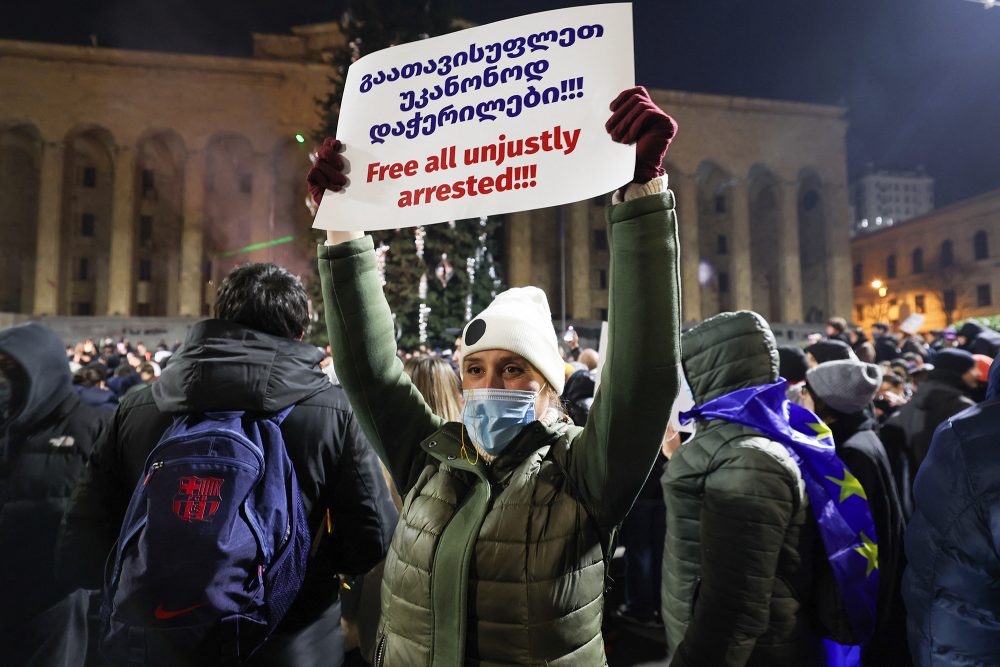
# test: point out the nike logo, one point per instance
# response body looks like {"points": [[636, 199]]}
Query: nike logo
{"points": [[162, 614]]}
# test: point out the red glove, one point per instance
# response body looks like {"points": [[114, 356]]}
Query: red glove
{"points": [[636, 119], [327, 172]]}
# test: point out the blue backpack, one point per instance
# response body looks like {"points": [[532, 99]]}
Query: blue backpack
{"points": [[213, 548]]}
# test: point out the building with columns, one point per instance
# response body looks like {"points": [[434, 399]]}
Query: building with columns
{"points": [[762, 203], [127, 179]]}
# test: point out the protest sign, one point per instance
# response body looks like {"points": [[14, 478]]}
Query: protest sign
{"points": [[499, 118]]}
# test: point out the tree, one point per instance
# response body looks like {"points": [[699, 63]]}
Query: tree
{"points": [[368, 26]]}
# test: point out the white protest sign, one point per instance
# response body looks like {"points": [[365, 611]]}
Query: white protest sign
{"points": [[913, 324], [494, 119]]}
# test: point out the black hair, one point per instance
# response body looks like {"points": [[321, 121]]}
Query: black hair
{"points": [[265, 297]]}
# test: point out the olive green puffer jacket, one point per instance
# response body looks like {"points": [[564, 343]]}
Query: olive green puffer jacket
{"points": [[504, 564], [741, 537]]}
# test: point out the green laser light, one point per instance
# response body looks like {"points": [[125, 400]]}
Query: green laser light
{"points": [[299, 138], [257, 246]]}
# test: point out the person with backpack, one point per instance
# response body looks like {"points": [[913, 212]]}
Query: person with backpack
{"points": [[501, 552], [46, 434], [759, 530], [237, 487]]}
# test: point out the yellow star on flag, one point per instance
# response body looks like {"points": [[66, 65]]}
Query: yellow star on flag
{"points": [[869, 550], [822, 430], [849, 486]]}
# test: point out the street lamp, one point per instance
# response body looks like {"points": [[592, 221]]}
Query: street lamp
{"points": [[882, 290]]}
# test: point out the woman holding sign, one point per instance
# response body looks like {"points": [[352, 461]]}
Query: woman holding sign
{"points": [[507, 526]]}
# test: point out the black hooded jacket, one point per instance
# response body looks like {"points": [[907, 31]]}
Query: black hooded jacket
{"points": [[980, 339], [226, 366], [43, 450]]}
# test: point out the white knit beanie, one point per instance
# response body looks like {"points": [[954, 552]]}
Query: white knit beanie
{"points": [[519, 321]]}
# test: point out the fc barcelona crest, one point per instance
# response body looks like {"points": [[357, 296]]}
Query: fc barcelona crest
{"points": [[198, 498]]}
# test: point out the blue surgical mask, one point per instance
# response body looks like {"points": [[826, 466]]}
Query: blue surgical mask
{"points": [[494, 417]]}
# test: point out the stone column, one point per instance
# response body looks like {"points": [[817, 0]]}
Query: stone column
{"points": [[261, 214], [789, 267], [48, 255], [740, 274], [837, 222], [578, 237], [193, 235], [121, 276], [519, 249], [686, 189]]}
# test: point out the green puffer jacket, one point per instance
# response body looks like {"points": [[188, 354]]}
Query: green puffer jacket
{"points": [[504, 564], [741, 537]]}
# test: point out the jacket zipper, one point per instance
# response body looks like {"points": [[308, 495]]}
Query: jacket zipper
{"points": [[153, 468], [380, 651]]}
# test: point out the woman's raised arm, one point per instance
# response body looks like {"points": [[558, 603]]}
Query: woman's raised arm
{"points": [[612, 459]]}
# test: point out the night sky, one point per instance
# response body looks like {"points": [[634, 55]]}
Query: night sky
{"points": [[921, 78]]}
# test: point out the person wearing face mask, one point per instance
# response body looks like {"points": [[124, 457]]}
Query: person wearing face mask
{"points": [[508, 516]]}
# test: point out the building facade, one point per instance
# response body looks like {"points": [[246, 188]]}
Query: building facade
{"points": [[886, 198], [127, 180], [762, 204], [944, 265], [127, 177]]}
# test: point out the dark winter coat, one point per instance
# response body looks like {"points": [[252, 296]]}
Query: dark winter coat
{"points": [[102, 401], [504, 563], [225, 366], [980, 339], [42, 454], [742, 543], [907, 434], [952, 584], [861, 451]]}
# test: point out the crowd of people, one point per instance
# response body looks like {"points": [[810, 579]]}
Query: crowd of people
{"points": [[248, 498]]}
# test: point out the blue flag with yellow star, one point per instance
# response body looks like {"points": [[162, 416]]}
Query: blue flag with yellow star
{"points": [[838, 501]]}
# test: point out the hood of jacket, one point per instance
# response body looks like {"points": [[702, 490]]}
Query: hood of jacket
{"points": [[227, 366], [728, 352], [42, 355], [971, 330]]}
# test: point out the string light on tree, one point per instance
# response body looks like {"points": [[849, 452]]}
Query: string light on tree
{"points": [[470, 271], [380, 253], [419, 235]]}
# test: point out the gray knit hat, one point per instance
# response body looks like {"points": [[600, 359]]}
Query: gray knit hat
{"points": [[846, 385]]}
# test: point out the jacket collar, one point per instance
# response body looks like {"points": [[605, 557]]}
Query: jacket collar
{"points": [[445, 445]]}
